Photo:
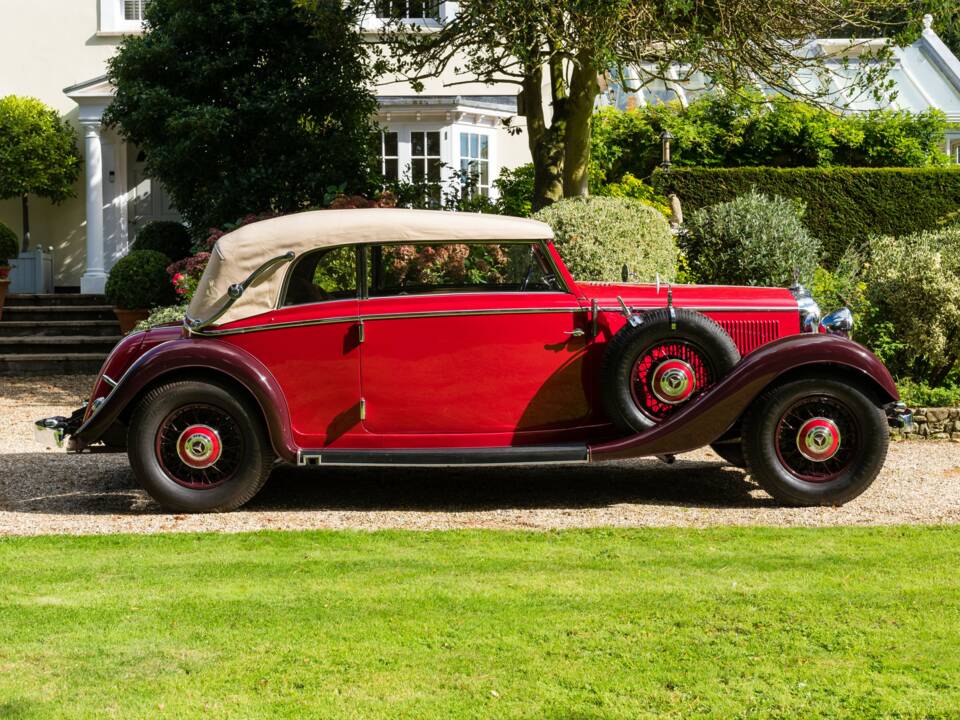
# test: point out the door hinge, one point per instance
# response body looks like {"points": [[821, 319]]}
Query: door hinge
{"points": [[360, 331], [363, 409]]}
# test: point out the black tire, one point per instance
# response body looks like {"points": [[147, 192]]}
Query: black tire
{"points": [[694, 333], [773, 432], [731, 452], [242, 464]]}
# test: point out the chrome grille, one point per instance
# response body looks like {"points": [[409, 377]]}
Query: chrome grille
{"points": [[751, 334]]}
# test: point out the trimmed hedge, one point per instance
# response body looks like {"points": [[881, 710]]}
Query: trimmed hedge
{"points": [[843, 204]]}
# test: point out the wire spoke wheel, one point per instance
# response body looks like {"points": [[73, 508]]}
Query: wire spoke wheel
{"points": [[668, 374], [199, 446], [818, 438]]}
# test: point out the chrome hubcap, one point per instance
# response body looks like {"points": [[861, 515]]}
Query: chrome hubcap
{"points": [[818, 439], [673, 382], [199, 446]]}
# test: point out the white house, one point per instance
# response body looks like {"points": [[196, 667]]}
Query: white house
{"points": [[56, 50]]}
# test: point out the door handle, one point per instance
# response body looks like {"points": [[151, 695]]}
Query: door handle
{"points": [[575, 333]]}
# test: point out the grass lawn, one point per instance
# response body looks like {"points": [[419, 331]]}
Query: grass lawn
{"points": [[719, 623]]}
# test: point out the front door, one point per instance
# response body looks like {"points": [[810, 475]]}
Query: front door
{"points": [[476, 342], [150, 200]]}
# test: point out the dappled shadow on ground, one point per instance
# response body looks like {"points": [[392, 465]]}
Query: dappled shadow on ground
{"points": [[67, 390], [104, 484]]}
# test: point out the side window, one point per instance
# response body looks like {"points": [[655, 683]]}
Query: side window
{"points": [[328, 274], [458, 267]]}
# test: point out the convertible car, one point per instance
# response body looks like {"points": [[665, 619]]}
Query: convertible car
{"points": [[385, 337]]}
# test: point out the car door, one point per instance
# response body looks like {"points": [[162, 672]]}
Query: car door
{"points": [[477, 341]]}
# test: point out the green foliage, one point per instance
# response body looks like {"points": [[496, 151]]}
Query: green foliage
{"points": [[632, 187], [754, 239], [913, 284], [162, 316], [38, 151], [596, 236], [9, 244], [844, 205], [515, 187], [139, 280], [918, 394], [170, 238], [246, 105], [735, 130]]}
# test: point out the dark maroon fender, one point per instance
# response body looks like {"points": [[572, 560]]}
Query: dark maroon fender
{"points": [[705, 420], [192, 354]]}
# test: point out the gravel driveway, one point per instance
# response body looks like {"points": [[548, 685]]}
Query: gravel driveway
{"points": [[44, 491]]}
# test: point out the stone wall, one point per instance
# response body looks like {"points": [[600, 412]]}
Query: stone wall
{"points": [[935, 424]]}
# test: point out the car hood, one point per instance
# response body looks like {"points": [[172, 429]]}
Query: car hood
{"points": [[698, 297]]}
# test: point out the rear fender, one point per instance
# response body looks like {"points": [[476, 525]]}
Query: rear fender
{"points": [[174, 357], [709, 417]]}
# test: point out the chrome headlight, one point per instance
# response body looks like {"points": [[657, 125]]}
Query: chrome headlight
{"points": [[839, 322], [809, 310]]}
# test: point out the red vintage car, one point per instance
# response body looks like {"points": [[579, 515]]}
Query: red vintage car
{"points": [[401, 337]]}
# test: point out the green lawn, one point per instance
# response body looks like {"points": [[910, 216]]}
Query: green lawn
{"points": [[654, 623]]}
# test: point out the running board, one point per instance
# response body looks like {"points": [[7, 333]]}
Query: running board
{"points": [[448, 457]]}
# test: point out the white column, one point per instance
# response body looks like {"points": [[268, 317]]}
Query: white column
{"points": [[95, 277]]}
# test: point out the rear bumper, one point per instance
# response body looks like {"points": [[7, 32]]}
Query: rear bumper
{"points": [[899, 416]]}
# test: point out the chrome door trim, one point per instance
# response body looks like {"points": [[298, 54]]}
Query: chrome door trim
{"points": [[733, 308]]}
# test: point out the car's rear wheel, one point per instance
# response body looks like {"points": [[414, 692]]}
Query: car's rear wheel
{"points": [[815, 441], [197, 447]]}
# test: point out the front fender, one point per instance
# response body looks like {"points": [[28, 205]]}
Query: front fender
{"points": [[705, 420], [195, 354]]}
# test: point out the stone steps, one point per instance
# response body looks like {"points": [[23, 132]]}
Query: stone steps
{"points": [[17, 328], [51, 364], [55, 299], [44, 313]]}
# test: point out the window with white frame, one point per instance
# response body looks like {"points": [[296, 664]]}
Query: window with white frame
{"points": [[408, 9], [390, 156], [475, 164], [122, 16], [425, 162]]}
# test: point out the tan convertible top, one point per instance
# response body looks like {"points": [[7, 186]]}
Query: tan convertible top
{"points": [[239, 254]]}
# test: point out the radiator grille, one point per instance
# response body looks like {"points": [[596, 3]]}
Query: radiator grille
{"points": [[751, 334]]}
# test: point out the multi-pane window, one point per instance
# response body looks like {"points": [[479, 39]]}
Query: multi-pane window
{"points": [[133, 9], [413, 9], [425, 163], [390, 156], [475, 164]]}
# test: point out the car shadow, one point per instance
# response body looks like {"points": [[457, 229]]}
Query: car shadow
{"points": [[104, 484]]}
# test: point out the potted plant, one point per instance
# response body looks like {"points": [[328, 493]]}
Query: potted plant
{"points": [[137, 284], [9, 247]]}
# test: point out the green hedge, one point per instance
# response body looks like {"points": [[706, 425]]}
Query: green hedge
{"points": [[843, 204]]}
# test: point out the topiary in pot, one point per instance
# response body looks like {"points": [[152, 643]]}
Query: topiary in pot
{"points": [[9, 248], [170, 238], [597, 236], [138, 283]]}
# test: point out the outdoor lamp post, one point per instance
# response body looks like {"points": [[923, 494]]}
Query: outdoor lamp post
{"points": [[665, 138]]}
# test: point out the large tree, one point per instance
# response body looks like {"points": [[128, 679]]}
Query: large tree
{"points": [[559, 53], [38, 155], [243, 106]]}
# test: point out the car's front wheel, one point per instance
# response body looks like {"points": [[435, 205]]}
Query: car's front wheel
{"points": [[197, 447], [815, 441]]}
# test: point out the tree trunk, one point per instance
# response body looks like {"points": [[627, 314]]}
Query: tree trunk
{"points": [[579, 113], [25, 202], [545, 149]]}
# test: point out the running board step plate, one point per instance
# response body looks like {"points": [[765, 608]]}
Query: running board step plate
{"points": [[447, 457]]}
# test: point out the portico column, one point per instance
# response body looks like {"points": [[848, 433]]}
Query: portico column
{"points": [[95, 277]]}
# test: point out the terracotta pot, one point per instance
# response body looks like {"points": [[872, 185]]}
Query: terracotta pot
{"points": [[4, 284], [128, 319]]}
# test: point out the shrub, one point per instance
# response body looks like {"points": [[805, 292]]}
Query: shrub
{"points": [[752, 240], [916, 394], [170, 238], [163, 316], [632, 187], [844, 205], [913, 284], [597, 236], [9, 244], [516, 191], [139, 280]]}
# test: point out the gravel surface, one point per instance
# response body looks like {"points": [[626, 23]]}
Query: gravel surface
{"points": [[45, 491]]}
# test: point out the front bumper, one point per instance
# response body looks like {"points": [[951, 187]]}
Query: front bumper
{"points": [[51, 432], [899, 416]]}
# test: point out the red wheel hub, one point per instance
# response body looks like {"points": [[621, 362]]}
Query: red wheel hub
{"points": [[818, 439], [199, 446], [673, 381]]}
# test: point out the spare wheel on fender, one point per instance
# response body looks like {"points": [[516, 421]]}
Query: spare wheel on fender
{"points": [[653, 369]]}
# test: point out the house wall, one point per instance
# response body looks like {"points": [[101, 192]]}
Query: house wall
{"points": [[45, 46]]}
